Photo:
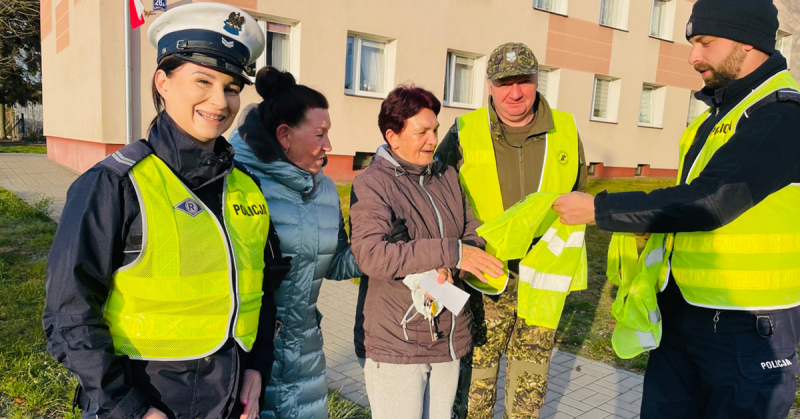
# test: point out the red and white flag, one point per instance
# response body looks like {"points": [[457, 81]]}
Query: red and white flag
{"points": [[137, 13]]}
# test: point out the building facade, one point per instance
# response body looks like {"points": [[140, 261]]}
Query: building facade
{"points": [[620, 66]]}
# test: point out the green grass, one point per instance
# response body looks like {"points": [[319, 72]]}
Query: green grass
{"points": [[33, 384], [24, 148]]}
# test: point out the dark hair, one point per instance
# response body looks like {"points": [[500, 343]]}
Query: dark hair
{"points": [[403, 103]]}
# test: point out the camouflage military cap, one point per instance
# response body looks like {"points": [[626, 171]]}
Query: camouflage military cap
{"points": [[511, 59]]}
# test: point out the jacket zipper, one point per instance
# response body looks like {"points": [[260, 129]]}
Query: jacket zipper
{"points": [[521, 167], [441, 235], [232, 269]]}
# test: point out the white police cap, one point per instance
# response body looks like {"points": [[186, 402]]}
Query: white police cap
{"points": [[214, 35]]}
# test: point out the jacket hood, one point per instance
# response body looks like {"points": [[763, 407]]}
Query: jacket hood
{"points": [[282, 171]]}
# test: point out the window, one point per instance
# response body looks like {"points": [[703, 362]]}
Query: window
{"points": [[555, 6], [651, 106], [367, 64], [696, 107], [614, 13], [548, 84], [605, 100], [783, 43], [459, 80], [277, 52], [661, 21]]}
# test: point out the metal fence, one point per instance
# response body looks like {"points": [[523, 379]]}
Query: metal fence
{"points": [[23, 122]]}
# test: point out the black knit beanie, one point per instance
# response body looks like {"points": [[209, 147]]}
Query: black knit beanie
{"points": [[751, 22]]}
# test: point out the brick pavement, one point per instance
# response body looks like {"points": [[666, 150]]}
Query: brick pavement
{"points": [[579, 387]]}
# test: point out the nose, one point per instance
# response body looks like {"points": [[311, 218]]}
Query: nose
{"points": [[515, 92], [695, 56], [326, 144], [218, 99]]}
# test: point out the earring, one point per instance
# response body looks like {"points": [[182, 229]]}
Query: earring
{"points": [[286, 150]]}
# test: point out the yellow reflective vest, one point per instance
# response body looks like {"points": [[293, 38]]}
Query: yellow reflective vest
{"points": [[196, 283], [752, 263], [478, 175], [555, 266]]}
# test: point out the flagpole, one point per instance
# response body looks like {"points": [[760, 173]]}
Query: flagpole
{"points": [[128, 110]]}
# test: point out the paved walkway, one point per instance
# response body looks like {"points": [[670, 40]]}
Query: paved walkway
{"points": [[578, 388]]}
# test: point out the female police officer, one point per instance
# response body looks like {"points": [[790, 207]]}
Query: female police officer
{"points": [[154, 281]]}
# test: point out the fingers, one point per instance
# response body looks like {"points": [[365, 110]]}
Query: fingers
{"points": [[477, 261], [251, 389]]}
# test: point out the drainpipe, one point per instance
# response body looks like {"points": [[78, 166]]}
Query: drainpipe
{"points": [[128, 110]]}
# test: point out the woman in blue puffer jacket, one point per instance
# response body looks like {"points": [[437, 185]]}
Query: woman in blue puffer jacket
{"points": [[284, 142]]}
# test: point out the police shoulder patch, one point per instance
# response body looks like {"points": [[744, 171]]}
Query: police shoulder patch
{"points": [[121, 161]]}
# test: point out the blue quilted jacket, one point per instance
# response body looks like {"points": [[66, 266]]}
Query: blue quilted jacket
{"points": [[308, 218]]}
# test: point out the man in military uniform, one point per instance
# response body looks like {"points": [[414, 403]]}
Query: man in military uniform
{"points": [[515, 146]]}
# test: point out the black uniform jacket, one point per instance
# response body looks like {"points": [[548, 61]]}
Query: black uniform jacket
{"points": [[762, 157], [100, 231]]}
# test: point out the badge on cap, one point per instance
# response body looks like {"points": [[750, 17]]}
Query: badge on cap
{"points": [[689, 29], [511, 56], [234, 23]]}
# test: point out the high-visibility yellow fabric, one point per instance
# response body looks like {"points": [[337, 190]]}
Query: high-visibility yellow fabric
{"points": [[639, 278], [195, 283], [555, 266], [479, 177], [752, 263]]}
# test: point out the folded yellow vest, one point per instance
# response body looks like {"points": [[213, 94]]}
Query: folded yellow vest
{"points": [[555, 266]]}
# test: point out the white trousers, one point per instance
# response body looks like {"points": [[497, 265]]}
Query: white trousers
{"points": [[411, 391]]}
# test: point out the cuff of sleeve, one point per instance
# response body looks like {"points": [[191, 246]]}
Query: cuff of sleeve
{"points": [[602, 213], [133, 406], [458, 265]]}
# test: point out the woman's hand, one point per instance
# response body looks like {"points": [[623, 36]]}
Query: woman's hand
{"points": [[251, 390], [444, 275], [478, 262], [153, 413]]}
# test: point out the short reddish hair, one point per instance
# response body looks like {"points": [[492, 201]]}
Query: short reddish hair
{"points": [[403, 103]]}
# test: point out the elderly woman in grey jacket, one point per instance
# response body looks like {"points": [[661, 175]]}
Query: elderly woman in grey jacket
{"points": [[413, 347]]}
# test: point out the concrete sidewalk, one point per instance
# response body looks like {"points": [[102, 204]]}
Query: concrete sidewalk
{"points": [[578, 388]]}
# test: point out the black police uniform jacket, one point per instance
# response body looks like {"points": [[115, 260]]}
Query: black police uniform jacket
{"points": [[101, 230]]}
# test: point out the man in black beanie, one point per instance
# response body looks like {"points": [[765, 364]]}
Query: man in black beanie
{"points": [[725, 248]]}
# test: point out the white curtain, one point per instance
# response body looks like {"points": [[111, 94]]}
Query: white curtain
{"points": [[658, 18], [601, 88], [542, 88], [348, 70], [462, 91], [611, 13], [278, 50], [646, 106], [552, 5], [372, 66]]}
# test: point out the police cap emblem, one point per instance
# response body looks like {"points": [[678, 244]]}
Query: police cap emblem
{"points": [[511, 56]]}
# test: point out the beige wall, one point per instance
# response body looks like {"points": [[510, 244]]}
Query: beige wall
{"points": [[84, 92]]}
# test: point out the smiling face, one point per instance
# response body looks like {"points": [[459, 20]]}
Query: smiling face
{"points": [[202, 102], [417, 141], [513, 98], [718, 60], [307, 144]]}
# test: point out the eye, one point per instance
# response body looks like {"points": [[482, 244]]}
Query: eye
{"points": [[233, 89], [204, 82]]}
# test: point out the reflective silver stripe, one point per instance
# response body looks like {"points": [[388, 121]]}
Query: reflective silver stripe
{"points": [[122, 159], [551, 282], [647, 340], [556, 245], [655, 316], [575, 239], [551, 232], [526, 273], [655, 256]]}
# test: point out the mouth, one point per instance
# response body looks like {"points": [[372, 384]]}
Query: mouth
{"points": [[211, 117]]}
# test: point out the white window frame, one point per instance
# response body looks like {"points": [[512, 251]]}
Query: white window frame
{"points": [[668, 19], [478, 69], [294, 44], [696, 108], [389, 54], [553, 81], [783, 43], [553, 6], [622, 14], [658, 97], [612, 105]]}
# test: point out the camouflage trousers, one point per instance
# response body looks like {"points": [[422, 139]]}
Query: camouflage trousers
{"points": [[527, 349]]}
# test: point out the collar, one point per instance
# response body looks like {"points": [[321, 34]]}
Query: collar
{"points": [[402, 167], [192, 164], [737, 89]]}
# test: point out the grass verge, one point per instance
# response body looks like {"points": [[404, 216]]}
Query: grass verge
{"points": [[23, 148]]}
